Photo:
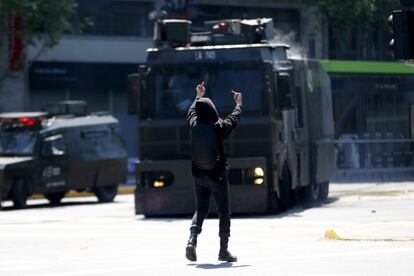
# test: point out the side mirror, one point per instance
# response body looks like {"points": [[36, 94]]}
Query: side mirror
{"points": [[137, 85], [134, 91], [53, 146]]}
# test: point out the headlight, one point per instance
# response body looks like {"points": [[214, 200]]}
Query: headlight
{"points": [[158, 184], [156, 179], [258, 172], [258, 181], [246, 176]]}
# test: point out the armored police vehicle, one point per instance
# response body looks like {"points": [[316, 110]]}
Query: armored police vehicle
{"points": [[61, 149], [282, 148]]}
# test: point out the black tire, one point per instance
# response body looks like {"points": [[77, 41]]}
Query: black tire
{"points": [[285, 189], [312, 192], [19, 193], [106, 193], [55, 198], [324, 191]]}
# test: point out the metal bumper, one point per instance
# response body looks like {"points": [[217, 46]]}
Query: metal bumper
{"points": [[179, 198]]}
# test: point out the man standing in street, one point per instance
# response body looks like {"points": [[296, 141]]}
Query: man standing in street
{"points": [[209, 167]]}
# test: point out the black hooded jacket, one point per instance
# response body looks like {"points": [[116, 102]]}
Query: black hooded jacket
{"points": [[203, 110]]}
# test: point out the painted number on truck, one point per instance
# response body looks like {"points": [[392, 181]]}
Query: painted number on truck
{"points": [[204, 55], [50, 171]]}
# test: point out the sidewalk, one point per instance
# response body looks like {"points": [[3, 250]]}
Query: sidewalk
{"points": [[385, 231], [370, 189], [391, 197]]}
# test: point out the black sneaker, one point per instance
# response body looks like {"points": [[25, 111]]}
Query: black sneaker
{"points": [[225, 256], [190, 253]]}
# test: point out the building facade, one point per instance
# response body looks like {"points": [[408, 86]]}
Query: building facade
{"points": [[373, 105]]}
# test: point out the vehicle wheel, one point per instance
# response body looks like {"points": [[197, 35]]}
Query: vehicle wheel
{"points": [[106, 193], [324, 191], [312, 192], [19, 193], [55, 198], [285, 189]]}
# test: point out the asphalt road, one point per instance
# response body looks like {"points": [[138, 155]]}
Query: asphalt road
{"points": [[376, 223]]}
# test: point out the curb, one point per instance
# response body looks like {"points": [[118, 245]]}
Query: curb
{"points": [[372, 193], [332, 235], [74, 194], [401, 231]]}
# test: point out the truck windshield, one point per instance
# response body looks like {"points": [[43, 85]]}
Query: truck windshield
{"points": [[17, 142], [174, 88]]}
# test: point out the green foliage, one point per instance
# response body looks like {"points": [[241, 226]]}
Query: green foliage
{"points": [[349, 17], [345, 14], [44, 20]]}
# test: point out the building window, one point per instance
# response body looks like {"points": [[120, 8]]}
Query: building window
{"points": [[114, 18], [373, 121]]}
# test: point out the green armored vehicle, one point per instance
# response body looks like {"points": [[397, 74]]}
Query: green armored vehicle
{"points": [[283, 148], [61, 149]]}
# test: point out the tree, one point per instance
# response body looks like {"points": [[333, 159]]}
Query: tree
{"points": [[28, 22], [353, 18]]}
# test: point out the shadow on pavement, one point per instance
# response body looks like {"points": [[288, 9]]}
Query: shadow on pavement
{"points": [[217, 266], [292, 212], [296, 210]]}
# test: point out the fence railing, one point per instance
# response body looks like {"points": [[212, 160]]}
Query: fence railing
{"points": [[375, 153]]}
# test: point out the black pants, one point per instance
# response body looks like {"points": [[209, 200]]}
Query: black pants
{"points": [[218, 187]]}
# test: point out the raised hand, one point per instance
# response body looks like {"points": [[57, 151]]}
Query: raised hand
{"points": [[237, 97], [201, 90]]}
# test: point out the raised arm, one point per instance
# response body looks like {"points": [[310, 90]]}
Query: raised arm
{"points": [[192, 115], [227, 125]]}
